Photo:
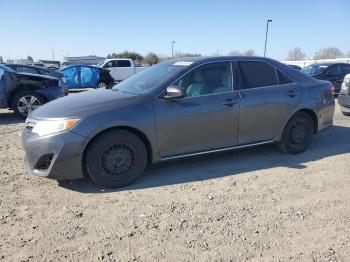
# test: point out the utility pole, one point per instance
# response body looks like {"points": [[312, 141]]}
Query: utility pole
{"points": [[172, 49], [267, 31], [53, 54]]}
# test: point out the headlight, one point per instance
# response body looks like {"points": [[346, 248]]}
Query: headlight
{"points": [[47, 127]]}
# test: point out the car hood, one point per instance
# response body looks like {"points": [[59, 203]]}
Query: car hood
{"points": [[83, 104]]}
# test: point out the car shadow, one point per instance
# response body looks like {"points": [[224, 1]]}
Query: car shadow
{"points": [[9, 118], [334, 141]]}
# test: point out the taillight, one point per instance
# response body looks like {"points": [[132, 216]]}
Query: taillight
{"points": [[332, 88]]}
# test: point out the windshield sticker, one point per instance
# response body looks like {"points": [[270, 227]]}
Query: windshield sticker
{"points": [[183, 63]]}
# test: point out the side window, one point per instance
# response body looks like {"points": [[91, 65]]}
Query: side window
{"points": [[282, 78], [345, 69], [43, 72], [333, 70], [208, 79], [72, 77], [110, 64], [124, 63], [88, 77], [257, 74], [23, 69]]}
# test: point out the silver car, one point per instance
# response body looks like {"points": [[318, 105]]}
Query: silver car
{"points": [[178, 108]]}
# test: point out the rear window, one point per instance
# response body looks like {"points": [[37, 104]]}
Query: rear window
{"points": [[123, 63], [257, 74]]}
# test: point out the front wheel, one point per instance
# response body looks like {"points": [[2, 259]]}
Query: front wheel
{"points": [[25, 102], [297, 134], [116, 158]]}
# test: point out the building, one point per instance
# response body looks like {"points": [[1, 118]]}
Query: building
{"points": [[82, 60]]}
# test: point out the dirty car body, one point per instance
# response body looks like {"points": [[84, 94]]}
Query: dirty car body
{"points": [[176, 109]]}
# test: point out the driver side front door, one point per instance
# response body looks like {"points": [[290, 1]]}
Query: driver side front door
{"points": [[206, 119]]}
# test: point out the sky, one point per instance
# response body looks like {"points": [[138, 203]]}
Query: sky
{"points": [[100, 27]]}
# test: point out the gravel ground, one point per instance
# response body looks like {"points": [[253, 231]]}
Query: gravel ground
{"points": [[249, 205]]}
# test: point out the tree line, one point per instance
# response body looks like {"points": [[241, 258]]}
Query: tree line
{"points": [[325, 53]]}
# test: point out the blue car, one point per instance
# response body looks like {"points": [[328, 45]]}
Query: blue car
{"points": [[23, 92], [83, 77]]}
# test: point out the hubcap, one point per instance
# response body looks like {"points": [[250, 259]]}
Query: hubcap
{"points": [[102, 85], [298, 133], [117, 159], [27, 104]]}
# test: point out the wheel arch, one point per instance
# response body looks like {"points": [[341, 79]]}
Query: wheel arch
{"points": [[308, 111], [134, 130], [19, 89]]}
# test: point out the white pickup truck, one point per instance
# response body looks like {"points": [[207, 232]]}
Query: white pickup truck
{"points": [[120, 68]]}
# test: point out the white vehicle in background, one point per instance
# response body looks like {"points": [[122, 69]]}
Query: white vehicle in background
{"points": [[120, 68]]}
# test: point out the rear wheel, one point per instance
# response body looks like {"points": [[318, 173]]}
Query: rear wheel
{"points": [[346, 113], [116, 158], [25, 102], [297, 134]]}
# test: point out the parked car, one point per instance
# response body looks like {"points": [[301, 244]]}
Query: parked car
{"points": [[23, 92], [178, 108], [120, 68], [296, 67], [344, 96], [41, 71], [84, 77], [333, 72]]}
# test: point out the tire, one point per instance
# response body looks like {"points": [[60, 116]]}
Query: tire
{"points": [[102, 85], [26, 101], [297, 134], [346, 113], [116, 158]]}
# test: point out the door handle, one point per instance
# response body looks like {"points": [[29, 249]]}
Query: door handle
{"points": [[229, 102], [292, 93]]}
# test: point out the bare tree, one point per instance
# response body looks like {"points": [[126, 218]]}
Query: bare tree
{"points": [[235, 53], [1, 60], [295, 54], [249, 52], [182, 55], [329, 53], [151, 59], [29, 58]]}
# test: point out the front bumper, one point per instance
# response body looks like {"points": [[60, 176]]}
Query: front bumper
{"points": [[57, 156]]}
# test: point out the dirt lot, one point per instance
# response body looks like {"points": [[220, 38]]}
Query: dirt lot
{"points": [[257, 204]]}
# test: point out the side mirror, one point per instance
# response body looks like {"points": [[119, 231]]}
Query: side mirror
{"points": [[174, 92], [329, 73]]}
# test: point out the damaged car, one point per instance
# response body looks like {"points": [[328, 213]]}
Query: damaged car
{"points": [[24, 92]]}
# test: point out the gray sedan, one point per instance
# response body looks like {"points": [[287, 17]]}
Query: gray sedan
{"points": [[179, 108]]}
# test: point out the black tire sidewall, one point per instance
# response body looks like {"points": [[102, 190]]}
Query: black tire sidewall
{"points": [[98, 146], [21, 94], [286, 143]]}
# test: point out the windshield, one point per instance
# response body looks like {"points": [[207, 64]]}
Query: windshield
{"points": [[100, 63], [7, 69], [312, 70], [150, 78]]}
